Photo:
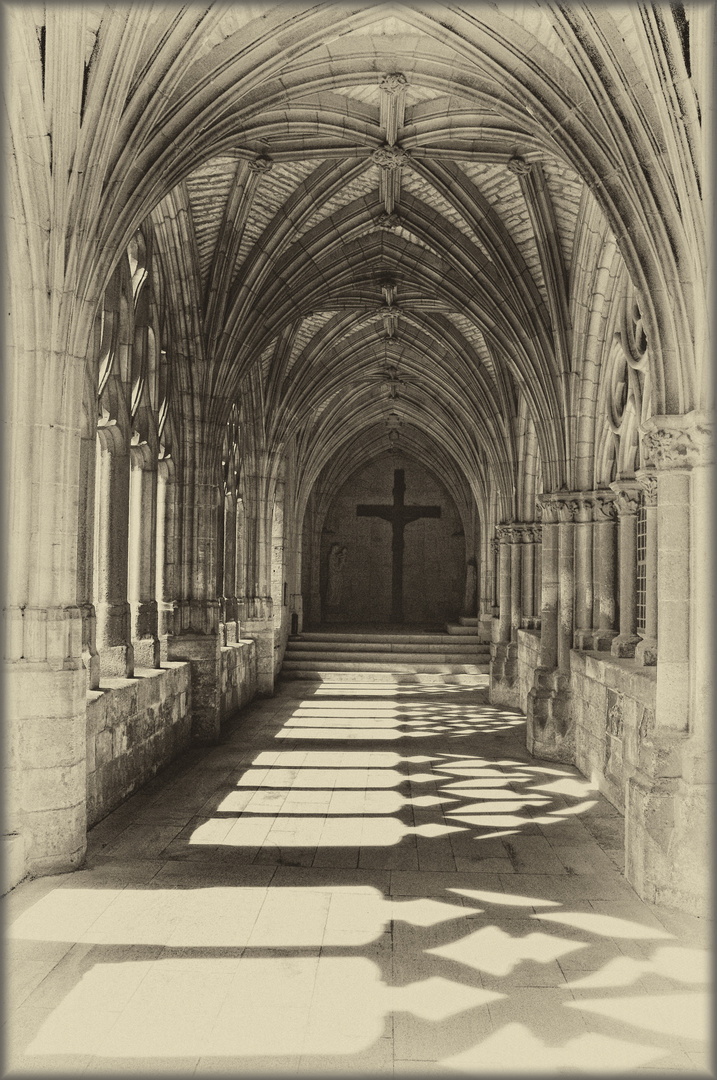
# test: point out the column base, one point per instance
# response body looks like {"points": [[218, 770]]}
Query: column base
{"points": [[624, 646], [550, 724], [667, 825], [117, 662], [504, 682], [261, 632], [147, 653], [203, 651], [646, 652], [594, 640]]}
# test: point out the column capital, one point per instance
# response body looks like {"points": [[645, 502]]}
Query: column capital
{"points": [[678, 441], [503, 533], [584, 507], [559, 506], [627, 496], [604, 505], [647, 479]]}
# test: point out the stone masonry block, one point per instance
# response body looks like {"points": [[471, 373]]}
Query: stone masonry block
{"points": [[54, 788]]}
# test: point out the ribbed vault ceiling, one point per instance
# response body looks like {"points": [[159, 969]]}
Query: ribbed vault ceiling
{"points": [[383, 230]]}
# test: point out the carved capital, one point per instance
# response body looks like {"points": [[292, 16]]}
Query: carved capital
{"points": [[548, 509], [678, 442], [519, 166], [647, 479], [604, 508], [390, 158], [393, 83], [567, 510], [584, 511], [261, 165], [628, 495], [503, 532]]}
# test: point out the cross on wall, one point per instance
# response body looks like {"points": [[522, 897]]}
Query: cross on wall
{"points": [[399, 515]]}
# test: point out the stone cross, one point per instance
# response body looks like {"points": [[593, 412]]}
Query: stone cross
{"points": [[399, 515]]}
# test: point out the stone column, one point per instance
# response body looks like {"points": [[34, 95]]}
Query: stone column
{"points": [[495, 555], [528, 581], [504, 592], [627, 494], [646, 649], [604, 578], [111, 553], [583, 636], [538, 576], [86, 555], [567, 509], [550, 730], [195, 636], [667, 808], [143, 556], [229, 583], [516, 551], [167, 544], [549, 582]]}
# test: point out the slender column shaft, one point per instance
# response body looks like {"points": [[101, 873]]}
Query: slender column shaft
{"points": [[604, 575], [566, 587], [516, 547], [504, 593], [143, 557], [111, 551], [627, 500], [528, 582], [673, 615], [494, 558], [549, 599], [584, 565], [538, 573]]}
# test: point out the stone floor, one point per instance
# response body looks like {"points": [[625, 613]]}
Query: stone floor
{"points": [[361, 879]]}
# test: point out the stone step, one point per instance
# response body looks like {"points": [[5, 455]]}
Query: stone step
{"points": [[385, 678], [449, 645], [459, 630], [383, 639], [338, 656], [468, 620], [378, 665]]}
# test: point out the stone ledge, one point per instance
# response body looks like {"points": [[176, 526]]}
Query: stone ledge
{"points": [[627, 676]]}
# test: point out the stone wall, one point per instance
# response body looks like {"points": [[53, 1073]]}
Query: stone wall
{"points": [[134, 727], [238, 675], [434, 555], [613, 704]]}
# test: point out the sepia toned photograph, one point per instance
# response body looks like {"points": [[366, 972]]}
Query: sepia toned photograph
{"points": [[357, 516]]}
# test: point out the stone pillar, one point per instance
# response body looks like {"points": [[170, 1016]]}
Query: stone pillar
{"points": [[111, 553], [667, 805], [583, 635], [516, 552], [528, 580], [503, 650], [538, 576], [167, 551], [504, 591], [257, 604], [550, 728], [229, 598], [86, 557], [567, 509], [627, 494], [549, 582], [604, 578], [195, 635], [494, 556], [142, 556], [646, 649]]}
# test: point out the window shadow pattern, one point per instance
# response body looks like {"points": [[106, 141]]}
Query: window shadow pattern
{"points": [[306, 898]]}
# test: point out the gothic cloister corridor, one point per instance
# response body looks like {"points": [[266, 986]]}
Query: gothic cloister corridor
{"points": [[360, 878], [358, 600]]}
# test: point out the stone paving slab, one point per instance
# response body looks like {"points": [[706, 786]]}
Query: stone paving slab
{"points": [[322, 905]]}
